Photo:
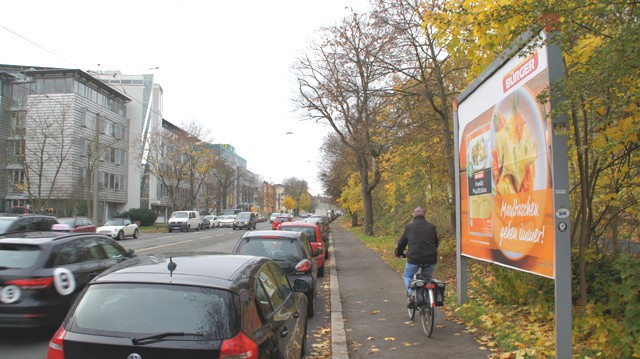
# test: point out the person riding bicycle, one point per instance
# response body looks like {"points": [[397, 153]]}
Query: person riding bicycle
{"points": [[422, 239]]}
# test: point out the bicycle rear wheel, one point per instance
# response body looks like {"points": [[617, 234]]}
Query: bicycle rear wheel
{"points": [[427, 317], [411, 311]]}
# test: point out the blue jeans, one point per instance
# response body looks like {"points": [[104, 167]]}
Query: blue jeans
{"points": [[411, 269]]}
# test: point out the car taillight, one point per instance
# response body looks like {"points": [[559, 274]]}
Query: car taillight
{"points": [[34, 283], [238, 347], [303, 266], [56, 349]]}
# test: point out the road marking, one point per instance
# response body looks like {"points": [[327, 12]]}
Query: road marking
{"points": [[164, 245]]}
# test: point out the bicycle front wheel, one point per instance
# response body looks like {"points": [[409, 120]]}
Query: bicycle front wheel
{"points": [[427, 317]]}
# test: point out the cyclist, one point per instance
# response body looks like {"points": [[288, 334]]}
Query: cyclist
{"points": [[422, 239]]}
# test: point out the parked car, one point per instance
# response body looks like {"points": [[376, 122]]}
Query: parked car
{"points": [[312, 231], [323, 224], [245, 220], [210, 221], [26, 223], [78, 224], [41, 273], [199, 305], [226, 221], [184, 221], [292, 252], [280, 219], [273, 216], [119, 228], [260, 218]]}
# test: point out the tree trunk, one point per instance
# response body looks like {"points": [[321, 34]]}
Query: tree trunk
{"points": [[354, 218]]}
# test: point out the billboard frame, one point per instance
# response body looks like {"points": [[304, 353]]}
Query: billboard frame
{"points": [[560, 181]]}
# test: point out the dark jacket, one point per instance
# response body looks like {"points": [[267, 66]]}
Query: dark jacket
{"points": [[422, 238]]}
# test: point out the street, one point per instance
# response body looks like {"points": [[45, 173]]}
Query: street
{"points": [[32, 343]]}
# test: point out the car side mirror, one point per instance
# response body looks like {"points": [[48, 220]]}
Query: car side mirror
{"points": [[301, 286], [318, 251], [131, 253]]}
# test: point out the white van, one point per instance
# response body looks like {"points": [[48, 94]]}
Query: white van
{"points": [[184, 221]]}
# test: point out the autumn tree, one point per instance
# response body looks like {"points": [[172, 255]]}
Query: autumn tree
{"points": [[289, 203], [298, 190], [338, 162], [429, 74], [342, 80], [178, 159]]}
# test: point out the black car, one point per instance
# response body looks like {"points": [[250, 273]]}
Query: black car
{"points": [[195, 305], [26, 223], [42, 272], [291, 250], [246, 220]]}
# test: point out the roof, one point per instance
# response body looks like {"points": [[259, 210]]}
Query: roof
{"points": [[299, 224], [268, 233], [39, 237], [211, 269]]}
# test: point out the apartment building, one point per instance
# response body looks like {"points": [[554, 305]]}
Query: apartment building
{"points": [[65, 133]]}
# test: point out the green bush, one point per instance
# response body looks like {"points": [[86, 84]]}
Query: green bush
{"points": [[147, 217]]}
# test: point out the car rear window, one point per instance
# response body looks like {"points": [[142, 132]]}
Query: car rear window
{"points": [[14, 255], [276, 249], [126, 309], [309, 231]]}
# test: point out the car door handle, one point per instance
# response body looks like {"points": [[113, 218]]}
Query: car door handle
{"points": [[284, 332], [296, 315]]}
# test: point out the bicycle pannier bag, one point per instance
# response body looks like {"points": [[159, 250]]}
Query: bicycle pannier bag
{"points": [[438, 292]]}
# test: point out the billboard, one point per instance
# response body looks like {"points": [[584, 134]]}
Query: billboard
{"points": [[506, 208]]}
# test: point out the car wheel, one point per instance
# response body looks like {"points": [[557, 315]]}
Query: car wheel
{"points": [[170, 230], [188, 228], [326, 253], [120, 236], [135, 234], [198, 228], [310, 306], [321, 271]]}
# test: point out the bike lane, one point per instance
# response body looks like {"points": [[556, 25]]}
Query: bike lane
{"points": [[372, 310]]}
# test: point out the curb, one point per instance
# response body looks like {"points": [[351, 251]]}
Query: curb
{"points": [[339, 348]]}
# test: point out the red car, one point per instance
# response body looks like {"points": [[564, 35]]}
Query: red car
{"points": [[76, 224], [313, 234], [280, 219]]}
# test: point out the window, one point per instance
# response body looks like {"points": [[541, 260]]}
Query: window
{"points": [[83, 117], [119, 154], [284, 288], [17, 180], [90, 250], [271, 288], [16, 150], [58, 85]]}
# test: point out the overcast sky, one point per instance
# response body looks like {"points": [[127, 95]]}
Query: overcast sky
{"points": [[225, 64]]}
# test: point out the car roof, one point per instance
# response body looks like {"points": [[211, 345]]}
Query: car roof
{"points": [[209, 269], [271, 234], [41, 237], [299, 224]]}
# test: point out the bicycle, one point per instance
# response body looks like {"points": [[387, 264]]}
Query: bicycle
{"points": [[424, 300]]}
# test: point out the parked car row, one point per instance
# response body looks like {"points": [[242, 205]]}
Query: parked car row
{"points": [[117, 228]]}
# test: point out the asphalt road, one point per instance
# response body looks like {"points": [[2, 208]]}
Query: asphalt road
{"points": [[33, 343]]}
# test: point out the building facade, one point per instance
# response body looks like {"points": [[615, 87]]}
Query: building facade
{"points": [[66, 135]]}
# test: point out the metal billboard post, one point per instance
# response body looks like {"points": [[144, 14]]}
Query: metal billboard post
{"points": [[562, 220]]}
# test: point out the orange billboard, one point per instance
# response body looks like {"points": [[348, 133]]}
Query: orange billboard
{"points": [[506, 192]]}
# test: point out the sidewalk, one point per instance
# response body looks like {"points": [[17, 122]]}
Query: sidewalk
{"points": [[368, 310]]}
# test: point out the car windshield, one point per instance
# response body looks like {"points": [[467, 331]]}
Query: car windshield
{"points": [[67, 221], [5, 223], [115, 222], [276, 249], [243, 216], [309, 231], [179, 215], [134, 309], [13, 255]]}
